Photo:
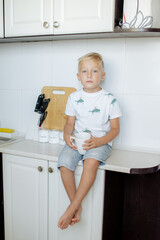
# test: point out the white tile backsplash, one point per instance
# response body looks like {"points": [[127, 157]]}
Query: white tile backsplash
{"points": [[10, 109], [9, 67], [132, 75], [142, 66], [35, 65], [141, 116]]}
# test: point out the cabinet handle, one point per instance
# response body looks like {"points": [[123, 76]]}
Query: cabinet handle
{"points": [[46, 25], [56, 24], [40, 169], [50, 170]]}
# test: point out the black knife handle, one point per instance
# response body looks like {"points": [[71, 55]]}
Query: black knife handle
{"points": [[44, 106], [39, 102]]}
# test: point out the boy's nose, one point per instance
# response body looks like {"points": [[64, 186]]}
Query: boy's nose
{"points": [[89, 74]]}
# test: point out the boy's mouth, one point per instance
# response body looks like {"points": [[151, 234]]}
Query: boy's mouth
{"points": [[89, 81]]}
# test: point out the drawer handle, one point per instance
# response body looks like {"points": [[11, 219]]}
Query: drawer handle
{"points": [[46, 25], [56, 24], [40, 169], [50, 170]]}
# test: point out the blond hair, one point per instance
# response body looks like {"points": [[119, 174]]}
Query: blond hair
{"points": [[94, 56]]}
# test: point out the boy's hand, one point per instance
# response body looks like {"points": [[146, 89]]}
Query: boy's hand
{"points": [[69, 141], [93, 142]]}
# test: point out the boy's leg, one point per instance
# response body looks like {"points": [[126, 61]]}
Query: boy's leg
{"points": [[68, 180], [67, 162], [87, 179]]}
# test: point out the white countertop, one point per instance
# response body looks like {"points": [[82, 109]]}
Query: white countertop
{"points": [[119, 161]]}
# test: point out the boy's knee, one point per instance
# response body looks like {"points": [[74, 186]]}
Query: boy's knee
{"points": [[91, 164], [64, 169]]}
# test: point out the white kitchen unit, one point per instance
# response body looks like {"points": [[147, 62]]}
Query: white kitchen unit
{"points": [[31, 17], [83, 16], [28, 17], [25, 198], [34, 200], [1, 19]]}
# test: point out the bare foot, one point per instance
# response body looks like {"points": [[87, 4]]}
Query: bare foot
{"points": [[66, 218], [77, 217]]}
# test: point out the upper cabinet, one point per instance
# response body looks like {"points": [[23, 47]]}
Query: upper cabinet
{"points": [[1, 19], [28, 17], [45, 17], [83, 16]]}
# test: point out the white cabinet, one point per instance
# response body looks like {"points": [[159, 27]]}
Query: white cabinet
{"points": [[32, 17], [28, 17], [34, 200], [1, 19], [25, 198], [82, 16]]}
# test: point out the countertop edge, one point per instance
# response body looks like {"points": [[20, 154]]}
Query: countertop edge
{"points": [[144, 170], [31, 155]]}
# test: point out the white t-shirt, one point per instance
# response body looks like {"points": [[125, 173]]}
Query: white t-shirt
{"points": [[93, 111]]}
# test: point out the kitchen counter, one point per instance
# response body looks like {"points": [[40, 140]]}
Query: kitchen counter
{"points": [[130, 196], [119, 161]]}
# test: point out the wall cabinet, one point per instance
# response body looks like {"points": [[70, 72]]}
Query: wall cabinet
{"points": [[28, 17], [31, 17], [1, 19], [34, 199]]}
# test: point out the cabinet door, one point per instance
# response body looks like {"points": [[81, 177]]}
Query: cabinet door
{"points": [[28, 17], [25, 198], [90, 226], [72, 16], [1, 19]]}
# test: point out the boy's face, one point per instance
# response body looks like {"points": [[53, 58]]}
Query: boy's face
{"points": [[90, 74]]}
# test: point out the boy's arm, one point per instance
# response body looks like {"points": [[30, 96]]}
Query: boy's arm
{"points": [[94, 142], [68, 131]]}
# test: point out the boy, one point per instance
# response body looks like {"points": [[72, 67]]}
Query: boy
{"points": [[93, 110]]}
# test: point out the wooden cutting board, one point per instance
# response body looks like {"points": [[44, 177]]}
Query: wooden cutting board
{"points": [[56, 118]]}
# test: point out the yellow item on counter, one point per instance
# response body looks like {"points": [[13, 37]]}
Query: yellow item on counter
{"points": [[6, 130]]}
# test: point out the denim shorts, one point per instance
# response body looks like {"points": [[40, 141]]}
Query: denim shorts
{"points": [[70, 157]]}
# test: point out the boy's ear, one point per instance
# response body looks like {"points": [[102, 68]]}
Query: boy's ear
{"points": [[103, 76], [78, 76]]}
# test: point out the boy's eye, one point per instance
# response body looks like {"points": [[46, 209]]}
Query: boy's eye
{"points": [[95, 71], [83, 71]]}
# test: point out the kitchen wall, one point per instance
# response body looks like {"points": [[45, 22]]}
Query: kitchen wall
{"points": [[132, 75]]}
